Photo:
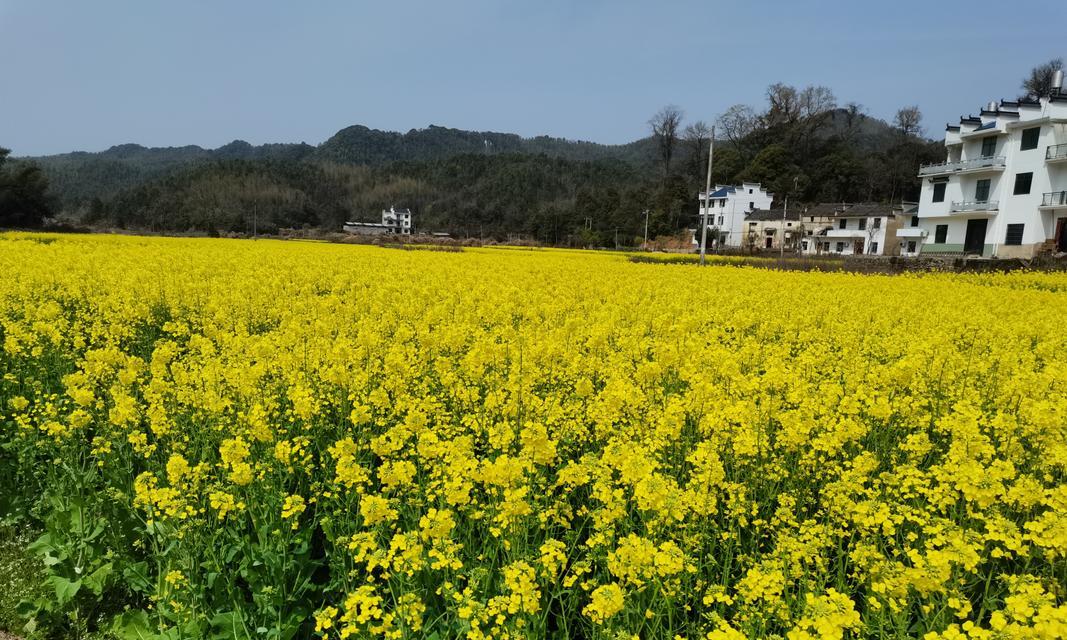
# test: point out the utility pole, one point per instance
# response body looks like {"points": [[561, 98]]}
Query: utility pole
{"points": [[796, 180], [646, 229], [781, 243], [255, 218], [707, 200]]}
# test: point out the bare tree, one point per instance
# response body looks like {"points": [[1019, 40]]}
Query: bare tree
{"points": [[696, 138], [665, 126], [737, 125], [909, 121], [814, 101], [854, 113], [784, 107], [1039, 82], [807, 107], [815, 104]]}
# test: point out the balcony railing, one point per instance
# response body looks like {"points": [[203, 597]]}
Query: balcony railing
{"points": [[974, 205], [985, 162], [1056, 152], [1054, 199]]}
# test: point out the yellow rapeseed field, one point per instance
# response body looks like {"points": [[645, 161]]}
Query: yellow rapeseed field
{"points": [[268, 439]]}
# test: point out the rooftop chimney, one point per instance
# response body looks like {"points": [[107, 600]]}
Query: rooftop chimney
{"points": [[992, 106], [1057, 82]]}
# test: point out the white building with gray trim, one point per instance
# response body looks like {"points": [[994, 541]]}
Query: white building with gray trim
{"points": [[394, 221], [727, 206], [1002, 189]]}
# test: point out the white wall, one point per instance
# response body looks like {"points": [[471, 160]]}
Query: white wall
{"points": [[728, 214], [1039, 226]]}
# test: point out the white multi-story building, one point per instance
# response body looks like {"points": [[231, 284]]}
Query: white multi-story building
{"points": [[396, 221], [727, 207], [866, 229], [1002, 190]]}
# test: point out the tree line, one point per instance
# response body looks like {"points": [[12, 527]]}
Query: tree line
{"points": [[800, 142]]}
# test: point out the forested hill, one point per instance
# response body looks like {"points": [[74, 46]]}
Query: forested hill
{"points": [[360, 145], [479, 183], [79, 177]]}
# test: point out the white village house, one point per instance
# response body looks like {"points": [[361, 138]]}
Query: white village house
{"points": [[727, 207], [866, 228], [394, 221], [1002, 189], [828, 228]]}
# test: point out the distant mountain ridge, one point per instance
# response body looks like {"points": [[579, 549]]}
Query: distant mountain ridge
{"points": [[81, 176], [91, 179]]}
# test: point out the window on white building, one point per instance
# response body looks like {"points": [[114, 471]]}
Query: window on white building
{"points": [[1014, 235], [877, 223], [840, 247], [939, 192], [862, 224], [874, 247], [915, 221], [981, 190], [842, 223], [911, 246], [1022, 183], [989, 146], [941, 233], [1030, 138]]}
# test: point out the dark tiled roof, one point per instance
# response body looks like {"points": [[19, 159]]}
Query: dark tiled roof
{"points": [[766, 215], [825, 209], [867, 210]]}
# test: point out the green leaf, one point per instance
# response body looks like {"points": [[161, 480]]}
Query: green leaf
{"points": [[30, 608], [42, 545], [65, 589], [223, 626], [133, 625], [96, 580], [136, 577]]}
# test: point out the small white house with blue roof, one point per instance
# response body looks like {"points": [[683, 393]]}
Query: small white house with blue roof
{"points": [[727, 206]]}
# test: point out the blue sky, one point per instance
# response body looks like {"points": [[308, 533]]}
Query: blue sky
{"points": [[83, 75]]}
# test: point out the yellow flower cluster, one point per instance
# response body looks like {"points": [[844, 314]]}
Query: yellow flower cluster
{"points": [[503, 443]]}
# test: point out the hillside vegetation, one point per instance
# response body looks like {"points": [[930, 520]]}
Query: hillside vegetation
{"points": [[492, 184]]}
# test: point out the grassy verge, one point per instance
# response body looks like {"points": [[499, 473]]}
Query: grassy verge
{"points": [[19, 577]]}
